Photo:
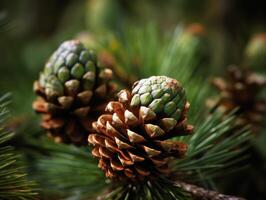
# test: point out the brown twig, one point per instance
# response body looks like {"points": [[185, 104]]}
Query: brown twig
{"points": [[200, 193]]}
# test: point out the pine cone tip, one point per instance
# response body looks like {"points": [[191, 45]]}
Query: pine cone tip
{"points": [[72, 90], [132, 141]]}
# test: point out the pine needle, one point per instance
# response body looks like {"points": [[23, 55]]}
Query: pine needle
{"points": [[13, 178], [214, 147], [159, 189], [65, 171]]}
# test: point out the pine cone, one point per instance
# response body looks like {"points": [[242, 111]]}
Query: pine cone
{"points": [[132, 141], [256, 52], [72, 91], [241, 90]]}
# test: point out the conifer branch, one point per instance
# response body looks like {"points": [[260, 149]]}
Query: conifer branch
{"points": [[200, 193], [14, 183]]}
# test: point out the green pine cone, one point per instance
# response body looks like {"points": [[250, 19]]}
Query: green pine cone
{"points": [[70, 67], [165, 96], [72, 92]]}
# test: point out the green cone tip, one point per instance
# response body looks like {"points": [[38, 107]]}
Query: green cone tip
{"points": [[71, 61], [162, 94]]}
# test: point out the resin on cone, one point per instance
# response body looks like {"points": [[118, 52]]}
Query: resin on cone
{"points": [[133, 139], [72, 91]]}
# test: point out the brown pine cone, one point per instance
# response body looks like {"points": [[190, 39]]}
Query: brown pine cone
{"points": [[73, 90], [241, 90], [133, 141]]}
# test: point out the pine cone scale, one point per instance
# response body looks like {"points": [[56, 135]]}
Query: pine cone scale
{"points": [[132, 140], [74, 88], [242, 91]]}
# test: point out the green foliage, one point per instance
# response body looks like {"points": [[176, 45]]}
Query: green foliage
{"points": [[13, 180], [140, 53], [144, 52], [216, 143], [67, 171], [136, 51], [103, 15], [159, 189], [185, 56], [181, 60], [64, 171], [214, 148]]}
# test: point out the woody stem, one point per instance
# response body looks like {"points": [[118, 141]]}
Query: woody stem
{"points": [[200, 193]]}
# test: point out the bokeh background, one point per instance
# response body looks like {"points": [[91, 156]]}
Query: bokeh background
{"points": [[31, 29]]}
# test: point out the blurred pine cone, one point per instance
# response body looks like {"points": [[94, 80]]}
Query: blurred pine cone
{"points": [[72, 91], [256, 52], [132, 140], [241, 90], [194, 42]]}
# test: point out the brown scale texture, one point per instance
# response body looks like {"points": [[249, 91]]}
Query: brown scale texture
{"points": [[72, 92], [70, 121], [133, 142], [241, 90]]}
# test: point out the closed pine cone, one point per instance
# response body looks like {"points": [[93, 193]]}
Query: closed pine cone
{"points": [[132, 139], [73, 90]]}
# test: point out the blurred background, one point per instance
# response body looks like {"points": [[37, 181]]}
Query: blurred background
{"points": [[32, 29]]}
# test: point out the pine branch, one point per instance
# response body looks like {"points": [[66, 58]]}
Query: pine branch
{"points": [[71, 172], [163, 189], [200, 193], [134, 59], [63, 171], [180, 56], [177, 55], [182, 59], [153, 53], [13, 178], [159, 189], [211, 149]]}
